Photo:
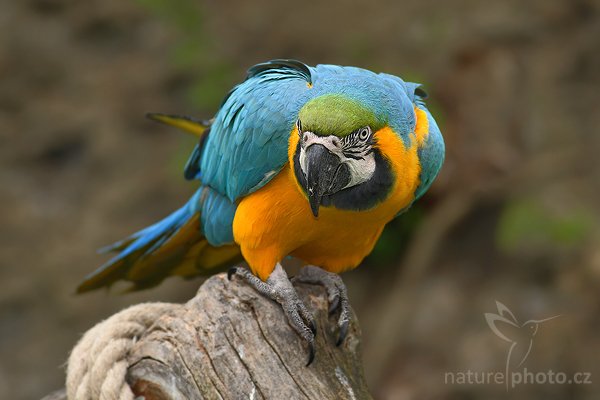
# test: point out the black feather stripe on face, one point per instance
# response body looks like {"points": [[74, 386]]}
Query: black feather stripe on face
{"points": [[355, 147]]}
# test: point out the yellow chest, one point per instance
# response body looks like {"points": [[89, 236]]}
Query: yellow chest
{"points": [[276, 220]]}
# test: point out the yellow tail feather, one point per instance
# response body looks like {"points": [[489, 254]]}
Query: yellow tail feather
{"points": [[205, 259], [188, 124]]}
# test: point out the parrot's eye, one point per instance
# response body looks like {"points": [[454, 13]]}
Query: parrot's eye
{"points": [[359, 138], [364, 133]]}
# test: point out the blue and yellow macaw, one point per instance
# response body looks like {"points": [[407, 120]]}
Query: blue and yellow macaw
{"points": [[301, 161]]}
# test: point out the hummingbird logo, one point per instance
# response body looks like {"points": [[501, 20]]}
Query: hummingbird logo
{"points": [[520, 335]]}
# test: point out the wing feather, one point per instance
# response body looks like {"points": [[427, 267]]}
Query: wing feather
{"points": [[250, 132]]}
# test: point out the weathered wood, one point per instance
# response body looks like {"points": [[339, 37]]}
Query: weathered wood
{"points": [[230, 342]]}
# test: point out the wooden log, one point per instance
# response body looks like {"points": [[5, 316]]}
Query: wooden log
{"points": [[230, 342]]}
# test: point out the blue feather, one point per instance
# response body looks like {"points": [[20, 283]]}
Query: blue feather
{"points": [[216, 215]]}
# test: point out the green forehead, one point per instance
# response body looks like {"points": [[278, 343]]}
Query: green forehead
{"points": [[334, 114]]}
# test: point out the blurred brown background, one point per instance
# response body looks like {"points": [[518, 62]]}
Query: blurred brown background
{"points": [[513, 216]]}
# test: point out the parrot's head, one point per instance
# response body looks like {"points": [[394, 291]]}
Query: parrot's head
{"points": [[336, 159]]}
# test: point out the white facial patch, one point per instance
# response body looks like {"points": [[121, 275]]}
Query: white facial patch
{"points": [[360, 170], [361, 167]]}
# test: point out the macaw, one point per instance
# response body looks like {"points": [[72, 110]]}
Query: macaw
{"points": [[309, 162]]}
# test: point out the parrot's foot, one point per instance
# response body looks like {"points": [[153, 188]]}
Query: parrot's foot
{"points": [[336, 293], [279, 288]]}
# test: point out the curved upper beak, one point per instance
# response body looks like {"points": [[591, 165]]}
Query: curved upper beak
{"points": [[325, 174]]}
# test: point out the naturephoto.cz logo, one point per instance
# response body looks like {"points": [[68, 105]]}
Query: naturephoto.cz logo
{"points": [[520, 338]]}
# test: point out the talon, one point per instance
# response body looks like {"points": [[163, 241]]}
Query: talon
{"points": [[312, 327], [343, 333], [231, 272], [311, 353]]}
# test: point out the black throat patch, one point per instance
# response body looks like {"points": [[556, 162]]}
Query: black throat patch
{"points": [[359, 197]]}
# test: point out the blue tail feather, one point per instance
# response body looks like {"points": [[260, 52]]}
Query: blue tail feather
{"points": [[137, 246]]}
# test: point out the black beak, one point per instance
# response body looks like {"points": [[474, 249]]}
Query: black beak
{"points": [[325, 175]]}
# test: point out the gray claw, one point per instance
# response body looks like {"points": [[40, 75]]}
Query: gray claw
{"points": [[311, 353], [313, 328]]}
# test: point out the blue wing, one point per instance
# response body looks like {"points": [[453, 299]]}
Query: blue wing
{"points": [[248, 140], [432, 153]]}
